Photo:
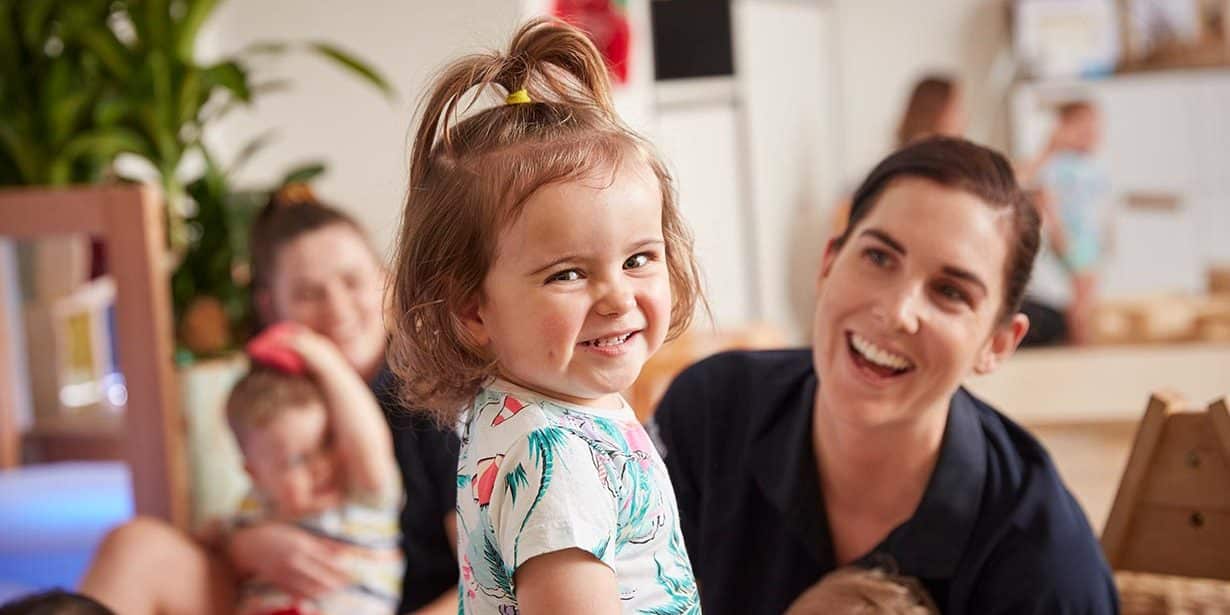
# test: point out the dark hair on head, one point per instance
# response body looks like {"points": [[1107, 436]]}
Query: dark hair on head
{"points": [[290, 213], [928, 100], [265, 393], [980, 171], [471, 177], [55, 602]]}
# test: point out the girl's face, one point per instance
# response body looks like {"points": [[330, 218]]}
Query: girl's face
{"points": [[329, 281], [909, 306], [578, 296]]}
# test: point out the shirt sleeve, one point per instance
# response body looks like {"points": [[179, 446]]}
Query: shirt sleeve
{"points": [[550, 493], [1046, 578]]}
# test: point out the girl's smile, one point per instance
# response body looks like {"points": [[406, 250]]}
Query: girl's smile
{"points": [[578, 296]]}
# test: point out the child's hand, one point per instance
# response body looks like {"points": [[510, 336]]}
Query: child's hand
{"points": [[295, 349], [318, 352]]}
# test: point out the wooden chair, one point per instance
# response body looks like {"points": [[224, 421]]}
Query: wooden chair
{"points": [[1171, 516], [129, 219]]}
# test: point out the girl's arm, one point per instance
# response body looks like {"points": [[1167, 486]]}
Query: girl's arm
{"points": [[567, 581], [360, 433]]}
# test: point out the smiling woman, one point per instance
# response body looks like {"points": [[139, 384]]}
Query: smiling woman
{"points": [[864, 450]]}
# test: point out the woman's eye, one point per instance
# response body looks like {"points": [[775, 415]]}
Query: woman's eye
{"points": [[636, 261], [877, 257], [567, 275], [952, 293]]}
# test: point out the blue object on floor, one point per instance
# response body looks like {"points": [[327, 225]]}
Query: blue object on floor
{"points": [[52, 518]]}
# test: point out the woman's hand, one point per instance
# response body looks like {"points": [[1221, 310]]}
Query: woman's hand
{"points": [[289, 558]]}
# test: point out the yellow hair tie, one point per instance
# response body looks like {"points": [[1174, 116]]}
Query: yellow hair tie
{"points": [[520, 97]]}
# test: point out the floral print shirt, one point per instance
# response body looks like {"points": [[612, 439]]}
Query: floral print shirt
{"points": [[536, 476]]}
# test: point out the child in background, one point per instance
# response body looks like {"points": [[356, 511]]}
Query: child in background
{"points": [[321, 457], [855, 591], [55, 602], [1071, 190], [542, 260]]}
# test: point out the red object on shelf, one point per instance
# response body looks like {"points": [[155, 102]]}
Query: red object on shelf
{"points": [[606, 23]]}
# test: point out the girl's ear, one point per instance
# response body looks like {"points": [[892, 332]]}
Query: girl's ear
{"points": [[1002, 344], [472, 319]]}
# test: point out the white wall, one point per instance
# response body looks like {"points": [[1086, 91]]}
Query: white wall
{"points": [[820, 87], [884, 45], [363, 137]]}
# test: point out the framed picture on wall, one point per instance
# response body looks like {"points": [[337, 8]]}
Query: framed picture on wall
{"points": [[1162, 34], [1066, 38]]}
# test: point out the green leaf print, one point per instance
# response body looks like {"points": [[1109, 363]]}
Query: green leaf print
{"points": [[543, 443], [463, 480], [500, 574], [516, 479]]}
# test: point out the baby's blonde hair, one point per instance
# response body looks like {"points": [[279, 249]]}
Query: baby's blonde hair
{"points": [[264, 394], [855, 591], [471, 177]]}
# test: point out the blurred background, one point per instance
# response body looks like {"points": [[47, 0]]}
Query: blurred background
{"points": [[769, 111]]}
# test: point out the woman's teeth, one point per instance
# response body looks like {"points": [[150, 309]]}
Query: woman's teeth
{"points": [[878, 355], [608, 341]]}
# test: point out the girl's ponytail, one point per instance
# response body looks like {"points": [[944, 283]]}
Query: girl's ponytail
{"points": [[554, 63]]}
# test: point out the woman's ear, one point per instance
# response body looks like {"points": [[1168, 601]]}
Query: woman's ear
{"points": [[826, 263], [263, 300], [1003, 342]]}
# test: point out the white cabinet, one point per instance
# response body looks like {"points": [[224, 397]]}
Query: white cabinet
{"points": [[1163, 132]]}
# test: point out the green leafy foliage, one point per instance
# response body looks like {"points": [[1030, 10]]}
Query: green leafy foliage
{"points": [[84, 81]]}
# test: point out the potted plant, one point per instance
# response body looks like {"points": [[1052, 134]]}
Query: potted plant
{"points": [[84, 82]]}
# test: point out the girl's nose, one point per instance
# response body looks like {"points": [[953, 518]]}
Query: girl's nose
{"points": [[617, 300]]}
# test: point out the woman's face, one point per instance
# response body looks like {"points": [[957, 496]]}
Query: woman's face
{"points": [[909, 305], [329, 281]]}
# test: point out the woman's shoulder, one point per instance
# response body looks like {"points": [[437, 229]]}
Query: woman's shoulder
{"points": [[742, 369], [1030, 520]]}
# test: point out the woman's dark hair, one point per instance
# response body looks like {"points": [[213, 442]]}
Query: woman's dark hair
{"points": [[292, 211], [980, 171]]}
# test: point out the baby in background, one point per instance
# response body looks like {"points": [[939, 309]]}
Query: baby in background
{"points": [[320, 457], [857, 591]]}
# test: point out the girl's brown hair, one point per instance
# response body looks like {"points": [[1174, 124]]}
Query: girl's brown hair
{"points": [[471, 177], [929, 99]]}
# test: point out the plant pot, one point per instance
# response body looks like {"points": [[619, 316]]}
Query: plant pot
{"points": [[215, 465]]}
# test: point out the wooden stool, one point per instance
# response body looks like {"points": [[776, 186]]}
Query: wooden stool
{"points": [[1171, 515]]}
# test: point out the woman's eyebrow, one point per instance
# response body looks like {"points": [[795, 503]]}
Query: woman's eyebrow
{"points": [[966, 275], [886, 239]]}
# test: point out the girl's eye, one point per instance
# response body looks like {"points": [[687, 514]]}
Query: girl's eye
{"points": [[878, 257], [636, 261], [567, 275]]}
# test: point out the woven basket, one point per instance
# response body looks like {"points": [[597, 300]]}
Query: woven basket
{"points": [[1153, 594]]}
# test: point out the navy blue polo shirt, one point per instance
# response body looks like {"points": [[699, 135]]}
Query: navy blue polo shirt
{"points": [[427, 457], [996, 530]]}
